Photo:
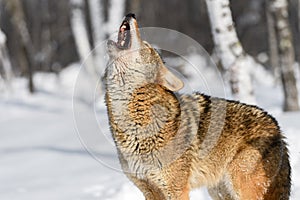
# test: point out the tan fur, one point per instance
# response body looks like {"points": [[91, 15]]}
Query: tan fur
{"points": [[169, 144]]}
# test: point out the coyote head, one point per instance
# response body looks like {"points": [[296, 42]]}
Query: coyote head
{"points": [[134, 63]]}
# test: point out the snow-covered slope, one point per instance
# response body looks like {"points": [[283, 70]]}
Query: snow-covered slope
{"points": [[41, 150]]}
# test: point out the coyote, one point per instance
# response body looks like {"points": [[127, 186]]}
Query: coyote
{"points": [[169, 144]]}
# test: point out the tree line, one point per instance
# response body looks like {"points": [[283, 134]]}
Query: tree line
{"points": [[46, 35]]}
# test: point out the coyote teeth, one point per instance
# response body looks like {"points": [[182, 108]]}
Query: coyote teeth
{"points": [[122, 43]]}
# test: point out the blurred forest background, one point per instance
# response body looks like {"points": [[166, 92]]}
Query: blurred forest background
{"points": [[40, 35]]}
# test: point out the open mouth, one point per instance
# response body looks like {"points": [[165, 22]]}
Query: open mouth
{"points": [[124, 35]]}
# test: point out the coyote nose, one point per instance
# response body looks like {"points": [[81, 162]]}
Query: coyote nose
{"points": [[130, 15]]}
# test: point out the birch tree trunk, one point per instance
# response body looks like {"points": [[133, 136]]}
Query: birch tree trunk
{"points": [[79, 29], [115, 14], [279, 10], [229, 50], [18, 19], [98, 31], [100, 28], [4, 59]]}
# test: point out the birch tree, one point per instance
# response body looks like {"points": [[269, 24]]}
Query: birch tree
{"points": [[230, 51], [79, 29], [98, 32], [279, 12], [115, 14], [4, 59], [100, 27]]}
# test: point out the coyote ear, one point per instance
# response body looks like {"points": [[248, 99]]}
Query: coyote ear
{"points": [[169, 80]]}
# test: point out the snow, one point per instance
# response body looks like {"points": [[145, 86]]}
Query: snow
{"points": [[51, 149]]}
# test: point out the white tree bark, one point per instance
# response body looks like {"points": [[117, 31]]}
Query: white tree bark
{"points": [[80, 33], [229, 50], [279, 11], [93, 59], [98, 32], [4, 59], [115, 14], [97, 20]]}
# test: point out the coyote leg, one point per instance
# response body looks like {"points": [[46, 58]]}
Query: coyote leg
{"points": [[261, 174]]}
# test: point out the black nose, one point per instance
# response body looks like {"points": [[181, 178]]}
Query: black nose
{"points": [[130, 15]]}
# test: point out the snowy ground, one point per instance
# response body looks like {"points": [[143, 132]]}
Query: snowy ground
{"points": [[42, 155]]}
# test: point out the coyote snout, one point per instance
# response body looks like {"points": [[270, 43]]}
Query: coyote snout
{"points": [[169, 144]]}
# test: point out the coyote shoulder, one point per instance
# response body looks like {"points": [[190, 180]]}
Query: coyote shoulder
{"points": [[169, 144]]}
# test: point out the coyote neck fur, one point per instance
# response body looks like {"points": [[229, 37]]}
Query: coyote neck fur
{"points": [[147, 126], [149, 114]]}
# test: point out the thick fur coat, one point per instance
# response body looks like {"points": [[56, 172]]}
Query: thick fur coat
{"points": [[169, 144]]}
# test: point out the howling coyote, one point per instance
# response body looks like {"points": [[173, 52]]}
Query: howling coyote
{"points": [[169, 144]]}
